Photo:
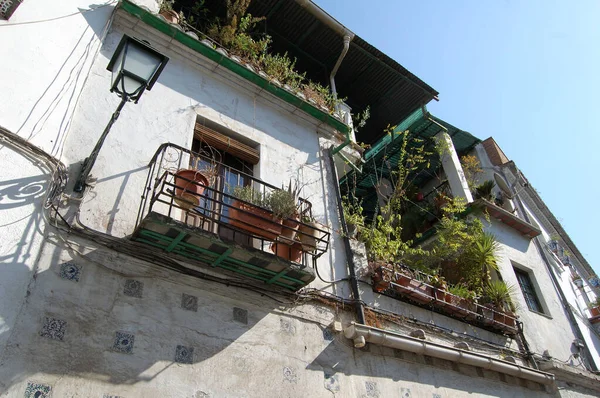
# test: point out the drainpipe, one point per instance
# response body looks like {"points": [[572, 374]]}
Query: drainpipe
{"points": [[561, 294], [347, 39], [360, 313]]}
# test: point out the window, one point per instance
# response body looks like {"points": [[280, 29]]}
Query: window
{"points": [[7, 7], [528, 290]]}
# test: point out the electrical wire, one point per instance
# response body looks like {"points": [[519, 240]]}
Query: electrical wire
{"points": [[60, 17]]}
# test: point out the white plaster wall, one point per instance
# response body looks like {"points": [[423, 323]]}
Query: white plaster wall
{"points": [[290, 147], [285, 349], [549, 331]]}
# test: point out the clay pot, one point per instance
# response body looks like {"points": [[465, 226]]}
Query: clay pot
{"points": [[254, 220], [289, 229], [189, 186], [287, 252], [170, 15]]}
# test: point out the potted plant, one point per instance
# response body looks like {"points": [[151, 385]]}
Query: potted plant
{"points": [[355, 220], [250, 212], [498, 295], [484, 190], [381, 277], [439, 288], [577, 280], [189, 186], [166, 10], [309, 233], [291, 252], [594, 307], [464, 299], [284, 205], [553, 246]]}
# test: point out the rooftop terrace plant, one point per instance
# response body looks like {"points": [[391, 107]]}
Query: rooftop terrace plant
{"points": [[237, 31]]}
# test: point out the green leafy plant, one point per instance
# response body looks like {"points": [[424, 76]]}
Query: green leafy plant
{"points": [[353, 213], [498, 294], [595, 303], [284, 203], [464, 292], [282, 68], [248, 194], [472, 169], [383, 237], [484, 190]]}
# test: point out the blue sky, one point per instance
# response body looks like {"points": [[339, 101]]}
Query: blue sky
{"points": [[525, 72]]}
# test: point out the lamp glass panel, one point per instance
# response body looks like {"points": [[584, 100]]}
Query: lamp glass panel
{"points": [[117, 68], [140, 62]]}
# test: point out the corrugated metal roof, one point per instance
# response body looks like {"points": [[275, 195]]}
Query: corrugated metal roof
{"points": [[367, 77]]}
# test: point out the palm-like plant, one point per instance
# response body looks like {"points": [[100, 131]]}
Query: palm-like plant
{"points": [[484, 254], [498, 293]]}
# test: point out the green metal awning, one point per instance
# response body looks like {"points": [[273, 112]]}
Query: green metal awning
{"points": [[383, 157]]}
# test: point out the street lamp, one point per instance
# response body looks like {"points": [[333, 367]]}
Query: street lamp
{"points": [[135, 67]]}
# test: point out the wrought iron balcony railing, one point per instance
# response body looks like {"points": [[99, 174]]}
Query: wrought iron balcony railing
{"points": [[208, 223]]}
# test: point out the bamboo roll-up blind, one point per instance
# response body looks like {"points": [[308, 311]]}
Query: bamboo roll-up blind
{"points": [[227, 144]]}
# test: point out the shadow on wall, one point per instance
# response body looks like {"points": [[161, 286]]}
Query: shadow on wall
{"points": [[377, 363], [21, 231], [62, 91], [108, 317]]}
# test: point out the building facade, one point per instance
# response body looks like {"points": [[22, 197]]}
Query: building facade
{"points": [[150, 282]]}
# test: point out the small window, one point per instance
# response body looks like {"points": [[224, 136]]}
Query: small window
{"points": [[531, 298], [7, 7]]}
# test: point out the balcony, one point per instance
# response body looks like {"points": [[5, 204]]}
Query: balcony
{"points": [[409, 285], [201, 222]]}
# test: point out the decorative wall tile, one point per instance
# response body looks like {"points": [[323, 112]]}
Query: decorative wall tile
{"points": [[70, 271], [240, 315], [405, 392], [332, 382], [436, 395], [189, 302], [133, 288], [184, 354], [289, 374], [111, 396], [54, 328], [123, 342], [37, 390], [372, 390]]}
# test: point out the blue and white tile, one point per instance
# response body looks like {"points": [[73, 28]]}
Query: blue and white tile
{"points": [[53, 328], [123, 342]]}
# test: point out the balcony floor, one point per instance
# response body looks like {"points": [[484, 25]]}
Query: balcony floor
{"points": [[190, 243]]}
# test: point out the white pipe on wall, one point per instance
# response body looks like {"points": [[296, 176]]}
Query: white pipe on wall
{"points": [[360, 333]]}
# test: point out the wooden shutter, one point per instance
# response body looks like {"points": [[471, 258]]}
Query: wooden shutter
{"points": [[226, 144]]}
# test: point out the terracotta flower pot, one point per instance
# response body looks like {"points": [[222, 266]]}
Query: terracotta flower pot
{"points": [[170, 15], [189, 186], [287, 252], [259, 222], [289, 229], [595, 311], [309, 234]]}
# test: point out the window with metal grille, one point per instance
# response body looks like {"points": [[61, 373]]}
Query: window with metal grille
{"points": [[7, 7], [528, 290]]}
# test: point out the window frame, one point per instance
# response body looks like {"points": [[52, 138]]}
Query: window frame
{"points": [[530, 291]]}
